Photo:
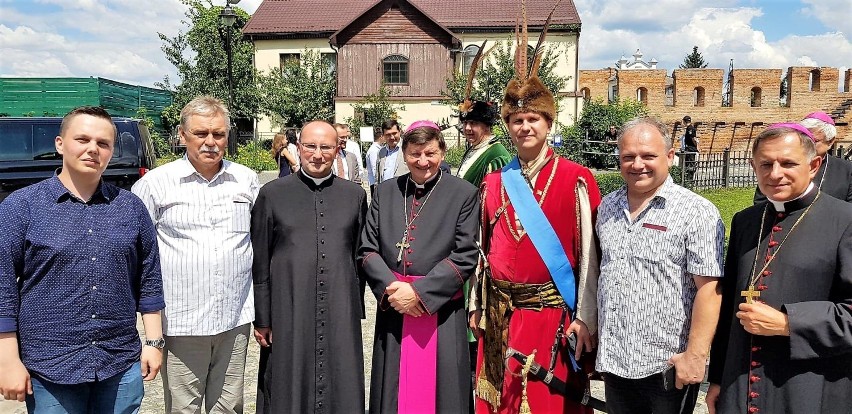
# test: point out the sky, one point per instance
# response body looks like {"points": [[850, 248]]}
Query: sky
{"points": [[117, 39]]}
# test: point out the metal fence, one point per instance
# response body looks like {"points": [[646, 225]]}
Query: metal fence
{"points": [[716, 170]]}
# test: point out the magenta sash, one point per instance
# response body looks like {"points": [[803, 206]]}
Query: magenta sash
{"points": [[418, 361]]}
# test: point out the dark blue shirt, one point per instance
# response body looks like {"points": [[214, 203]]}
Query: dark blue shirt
{"points": [[73, 274]]}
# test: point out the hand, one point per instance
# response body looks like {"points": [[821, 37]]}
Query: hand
{"points": [[152, 360], [402, 298], [15, 383], [473, 323], [712, 397], [263, 336], [689, 367], [759, 318], [584, 339]]}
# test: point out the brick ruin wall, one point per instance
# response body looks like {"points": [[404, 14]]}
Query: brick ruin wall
{"points": [[699, 93]]}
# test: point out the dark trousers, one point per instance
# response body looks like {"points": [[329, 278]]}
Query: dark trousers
{"points": [[646, 396]]}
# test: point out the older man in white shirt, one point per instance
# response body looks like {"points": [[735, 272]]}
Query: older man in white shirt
{"points": [[200, 206]]}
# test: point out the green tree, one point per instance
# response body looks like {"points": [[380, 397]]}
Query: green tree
{"points": [[373, 110], [594, 121], [303, 91], [199, 55], [496, 70], [693, 60]]}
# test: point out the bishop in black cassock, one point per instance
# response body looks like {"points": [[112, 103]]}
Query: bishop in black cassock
{"points": [[305, 234], [438, 244], [797, 255]]}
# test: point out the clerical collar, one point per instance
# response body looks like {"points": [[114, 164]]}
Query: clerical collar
{"points": [[429, 181], [803, 200], [317, 181]]}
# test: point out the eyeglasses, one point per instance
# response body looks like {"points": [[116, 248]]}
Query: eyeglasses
{"points": [[311, 148], [217, 135]]}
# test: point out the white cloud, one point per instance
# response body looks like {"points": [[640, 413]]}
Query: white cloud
{"points": [[721, 34], [834, 14]]}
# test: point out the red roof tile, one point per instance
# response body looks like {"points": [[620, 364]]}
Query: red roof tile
{"points": [[305, 16]]}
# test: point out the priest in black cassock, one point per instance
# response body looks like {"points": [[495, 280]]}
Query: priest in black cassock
{"points": [[834, 176], [417, 250], [308, 296], [784, 341]]}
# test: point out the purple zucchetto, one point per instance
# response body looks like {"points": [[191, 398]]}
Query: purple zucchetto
{"points": [[795, 126], [822, 116]]}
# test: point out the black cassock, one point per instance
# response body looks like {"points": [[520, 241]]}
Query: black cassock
{"points": [[442, 248], [834, 178], [307, 289], [810, 279]]}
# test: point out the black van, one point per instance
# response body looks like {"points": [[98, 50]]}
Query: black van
{"points": [[28, 154]]}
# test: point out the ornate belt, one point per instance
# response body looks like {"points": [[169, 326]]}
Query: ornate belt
{"points": [[503, 298]]}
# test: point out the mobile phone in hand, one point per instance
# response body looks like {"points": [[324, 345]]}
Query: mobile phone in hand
{"points": [[669, 374]]}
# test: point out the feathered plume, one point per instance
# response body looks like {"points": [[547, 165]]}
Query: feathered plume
{"points": [[539, 46], [480, 54]]}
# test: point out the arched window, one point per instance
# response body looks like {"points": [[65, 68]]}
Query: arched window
{"points": [[587, 95], [642, 95], [469, 53], [395, 70], [698, 96], [813, 82], [756, 97]]}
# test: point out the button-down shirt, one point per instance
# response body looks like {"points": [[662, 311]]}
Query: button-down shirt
{"points": [[73, 274], [646, 288], [205, 247], [390, 163]]}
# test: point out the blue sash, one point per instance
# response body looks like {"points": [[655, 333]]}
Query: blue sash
{"points": [[540, 231]]}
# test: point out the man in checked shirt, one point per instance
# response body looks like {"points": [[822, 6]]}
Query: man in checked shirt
{"points": [[661, 258]]}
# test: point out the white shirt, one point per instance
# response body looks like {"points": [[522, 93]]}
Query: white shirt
{"points": [[341, 159], [205, 245], [372, 162], [353, 147]]}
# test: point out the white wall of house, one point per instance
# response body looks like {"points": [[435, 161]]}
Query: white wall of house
{"points": [[267, 57]]}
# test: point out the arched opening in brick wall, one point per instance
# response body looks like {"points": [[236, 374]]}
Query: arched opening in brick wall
{"points": [[698, 96], [813, 81], [756, 97], [642, 95], [587, 94]]}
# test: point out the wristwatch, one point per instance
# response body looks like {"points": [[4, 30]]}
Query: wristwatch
{"points": [[156, 343]]}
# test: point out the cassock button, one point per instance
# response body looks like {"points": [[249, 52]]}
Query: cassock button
{"points": [[776, 228], [766, 273], [410, 251], [322, 283], [753, 379], [322, 241], [323, 228], [412, 227], [323, 255], [755, 348], [752, 409], [762, 287], [753, 395], [768, 257], [411, 239], [773, 243], [322, 270], [322, 214], [320, 201], [755, 364], [780, 215], [416, 203]]}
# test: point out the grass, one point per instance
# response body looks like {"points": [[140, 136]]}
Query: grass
{"points": [[729, 201]]}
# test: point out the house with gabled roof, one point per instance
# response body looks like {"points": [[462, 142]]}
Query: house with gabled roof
{"points": [[413, 46]]}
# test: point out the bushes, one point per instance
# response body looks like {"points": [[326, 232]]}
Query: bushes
{"points": [[454, 156], [253, 155]]}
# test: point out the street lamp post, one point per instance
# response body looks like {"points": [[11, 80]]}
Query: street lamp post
{"points": [[228, 18]]}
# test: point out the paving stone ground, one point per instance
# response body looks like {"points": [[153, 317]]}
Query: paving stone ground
{"points": [[153, 401]]}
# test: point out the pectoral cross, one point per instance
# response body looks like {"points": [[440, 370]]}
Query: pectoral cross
{"points": [[750, 294], [402, 245]]}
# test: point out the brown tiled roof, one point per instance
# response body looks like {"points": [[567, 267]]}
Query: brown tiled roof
{"points": [[306, 16]]}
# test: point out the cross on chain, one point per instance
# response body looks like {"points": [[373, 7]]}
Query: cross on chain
{"points": [[402, 245], [750, 294]]}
